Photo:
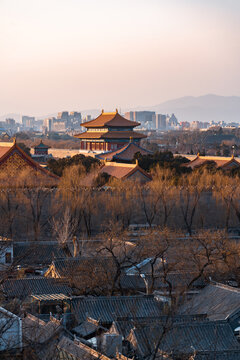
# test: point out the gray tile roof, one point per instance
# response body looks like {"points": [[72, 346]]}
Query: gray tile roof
{"points": [[67, 349], [218, 301], [177, 279], [74, 350], [107, 308], [42, 337], [37, 330], [88, 328], [210, 340], [40, 253], [70, 266], [123, 326], [21, 288]]}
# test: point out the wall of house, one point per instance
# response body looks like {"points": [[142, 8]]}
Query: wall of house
{"points": [[6, 253], [10, 331]]}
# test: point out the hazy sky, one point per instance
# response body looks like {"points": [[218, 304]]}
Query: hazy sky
{"points": [[79, 54]]}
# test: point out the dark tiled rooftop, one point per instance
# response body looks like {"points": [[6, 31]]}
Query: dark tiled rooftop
{"points": [[123, 326], [218, 301], [210, 340], [21, 288], [106, 309], [71, 266], [37, 253], [177, 280]]}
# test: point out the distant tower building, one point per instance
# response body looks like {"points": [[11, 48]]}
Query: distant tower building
{"points": [[87, 118], [10, 122], [75, 119], [48, 123], [173, 121], [161, 122], [28, 121], [129, 115], [143, 117], [63, 115]]}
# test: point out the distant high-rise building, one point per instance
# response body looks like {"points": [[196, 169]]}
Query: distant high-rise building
{"points": [[87, 118], [75, 119], [129, 115], [71, 120], [10, 122], [143, 117], [63, 115], [28, 121], [59, 125], [172, 121], [161, 122], [48, 123]]}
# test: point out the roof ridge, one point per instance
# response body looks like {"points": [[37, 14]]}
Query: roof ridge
{"points": [[29, 159], [114, 163], [31, 278], [113, 297], [112, 115], [6, 144], [204, 322], [109, 113], [225, 286]]}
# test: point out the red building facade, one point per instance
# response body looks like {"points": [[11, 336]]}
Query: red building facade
{"points": [[109, 131]]}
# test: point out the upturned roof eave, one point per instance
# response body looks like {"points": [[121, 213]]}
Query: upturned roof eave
{"points": [[30, 161]]}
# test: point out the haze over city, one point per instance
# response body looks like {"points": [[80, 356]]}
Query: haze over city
{"points": [[119, 179], [69, 54]]}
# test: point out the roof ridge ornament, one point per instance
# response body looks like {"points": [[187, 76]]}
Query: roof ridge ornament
{"points": [[116, 111], [102, 111], [14, 140]]}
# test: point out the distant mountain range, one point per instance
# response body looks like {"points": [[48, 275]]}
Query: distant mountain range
{"points": [[201, 108], [188, 108]]}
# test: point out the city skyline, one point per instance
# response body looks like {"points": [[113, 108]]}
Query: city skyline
{"points": [[78, 55]]}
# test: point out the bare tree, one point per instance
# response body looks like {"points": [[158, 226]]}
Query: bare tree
{"points": [[35, 194], [190, 190], [76, 193], [163, 187]]}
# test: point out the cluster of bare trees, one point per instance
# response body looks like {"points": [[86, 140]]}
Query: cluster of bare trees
{"points": [[180, 213], [200, 200]]}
